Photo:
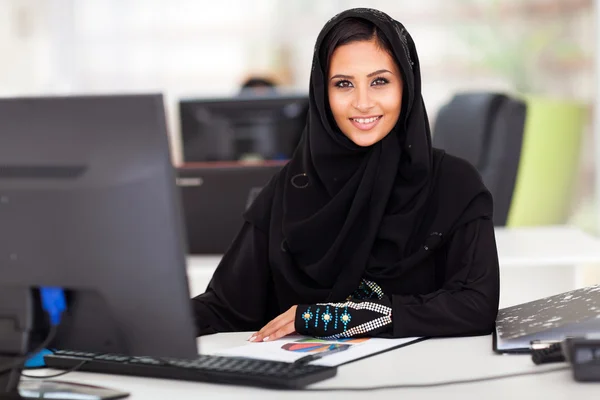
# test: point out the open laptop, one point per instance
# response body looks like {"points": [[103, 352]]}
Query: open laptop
{"points": [[214, 196]]}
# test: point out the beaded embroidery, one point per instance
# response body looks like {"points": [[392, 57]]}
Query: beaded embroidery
{"points": [[326, 317], [345, 318], [307, 316], [334, 314]]}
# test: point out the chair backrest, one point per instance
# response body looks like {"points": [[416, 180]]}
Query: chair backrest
{"points": [[486, 129], [549, 163]]}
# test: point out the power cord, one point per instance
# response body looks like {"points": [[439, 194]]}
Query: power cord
{"points": [[54, 303], [73, 369], [440, 383], [21, 360]]}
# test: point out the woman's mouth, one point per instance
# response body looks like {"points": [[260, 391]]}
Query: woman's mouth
{"points": [[365, 124]]}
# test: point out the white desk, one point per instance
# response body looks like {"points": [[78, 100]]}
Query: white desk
{"points": [[537, 262], [428, 361], [551, 255], [546, 246]]}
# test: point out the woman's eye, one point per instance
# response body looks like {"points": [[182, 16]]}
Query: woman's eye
{"points": [[380, 81], [343, 84]]}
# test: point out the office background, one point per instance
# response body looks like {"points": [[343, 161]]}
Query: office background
{"points": [[543, 50], [201, 48]]}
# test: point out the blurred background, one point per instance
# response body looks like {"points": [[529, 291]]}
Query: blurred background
{"points": [[538, 53]]}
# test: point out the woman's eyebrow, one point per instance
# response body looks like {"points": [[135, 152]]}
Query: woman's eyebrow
{"points": [[379, 71]]}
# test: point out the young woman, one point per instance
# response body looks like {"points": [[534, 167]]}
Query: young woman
{"points": [[367, 231]]}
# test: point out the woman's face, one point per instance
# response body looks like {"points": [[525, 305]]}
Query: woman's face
{"points": [[365, 91]]}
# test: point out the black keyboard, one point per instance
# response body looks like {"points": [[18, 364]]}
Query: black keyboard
{"points": [[205, 368]]}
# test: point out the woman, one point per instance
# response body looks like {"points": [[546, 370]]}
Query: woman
{"points": [[367, 231]]}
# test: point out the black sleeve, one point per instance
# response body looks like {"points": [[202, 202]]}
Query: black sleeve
{"points": [[353, 318], [467, 302], [236, 297]]}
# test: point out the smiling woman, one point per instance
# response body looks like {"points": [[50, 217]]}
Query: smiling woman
{"points": [[365, 83], [368, 230]]}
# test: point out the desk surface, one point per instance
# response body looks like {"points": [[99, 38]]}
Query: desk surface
{"points": [[428, 361]]}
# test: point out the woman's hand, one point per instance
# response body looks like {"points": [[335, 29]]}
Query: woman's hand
{"points": [[279, 327]]}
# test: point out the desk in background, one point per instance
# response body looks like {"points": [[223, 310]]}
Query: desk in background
{"points": [[534, 262], [537, 262]]}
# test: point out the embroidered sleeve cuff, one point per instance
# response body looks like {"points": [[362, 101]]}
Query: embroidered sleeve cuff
{"points": [[342, 320]]}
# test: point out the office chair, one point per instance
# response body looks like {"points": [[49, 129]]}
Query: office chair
{"points": [[526, 150]]}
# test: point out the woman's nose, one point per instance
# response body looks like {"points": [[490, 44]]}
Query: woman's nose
{"points": [[362, 101]]}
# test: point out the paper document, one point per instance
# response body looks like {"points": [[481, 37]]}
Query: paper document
{"points": [[293, 347]]}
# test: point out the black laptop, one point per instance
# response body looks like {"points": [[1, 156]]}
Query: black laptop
{"points": [[214, 197]]}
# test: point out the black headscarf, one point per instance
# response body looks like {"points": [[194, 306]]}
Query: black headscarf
{"points": [[339, 212]]}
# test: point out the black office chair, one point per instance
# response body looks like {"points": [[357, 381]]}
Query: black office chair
{"points": [[485, 129]]}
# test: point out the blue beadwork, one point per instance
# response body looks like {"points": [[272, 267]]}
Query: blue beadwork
{"points": [[306, 316], [326, 317], [345, 318], [335, 319], [317, 318]]}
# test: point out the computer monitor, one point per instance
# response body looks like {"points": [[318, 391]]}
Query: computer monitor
{"points": [[247, 127], [88, 202], [214, 197]]}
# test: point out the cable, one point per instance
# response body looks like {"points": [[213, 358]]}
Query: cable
{"points": [[73, 369], [54, 303], [21, 360], [440, 383]]}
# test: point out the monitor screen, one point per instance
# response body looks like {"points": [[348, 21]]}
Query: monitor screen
{"points": [[214, 197], [242, 128], [88, 203]]}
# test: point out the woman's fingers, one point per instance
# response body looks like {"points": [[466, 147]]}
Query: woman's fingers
{"points": [[268, 331], [283, 331], [265, 333]]}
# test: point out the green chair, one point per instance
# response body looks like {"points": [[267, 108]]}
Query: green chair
{"points": [[549, 162], [526, 149]]}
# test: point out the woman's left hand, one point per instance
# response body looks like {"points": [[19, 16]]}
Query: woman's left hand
{"points": [[279, 327]]}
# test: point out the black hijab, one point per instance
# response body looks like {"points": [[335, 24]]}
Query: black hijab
{"points": [[338, 212]]}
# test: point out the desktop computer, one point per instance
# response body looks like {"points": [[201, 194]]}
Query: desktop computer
{"points": [[89, 206], [262, 127], [214, 197]]}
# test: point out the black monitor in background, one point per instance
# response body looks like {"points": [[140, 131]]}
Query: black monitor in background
{"points": [[239, 128], [214, 197], [88, 203]]}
